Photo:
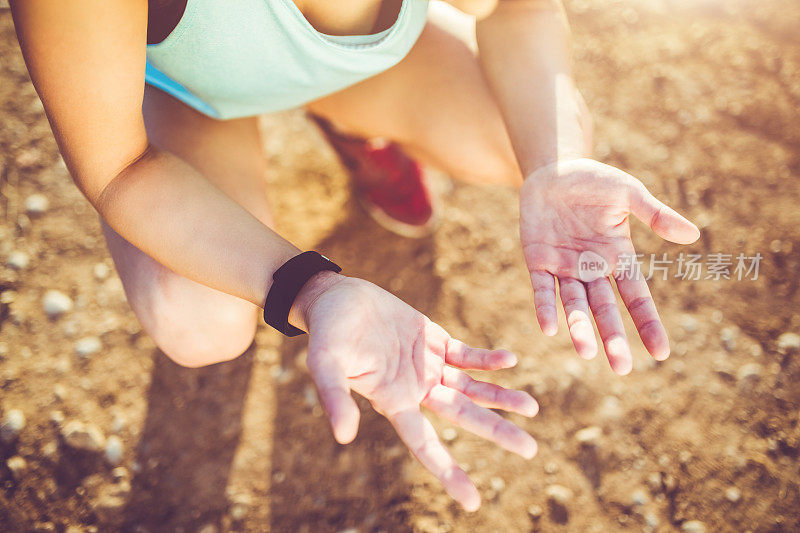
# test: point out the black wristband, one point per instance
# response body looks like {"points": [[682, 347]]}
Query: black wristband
{"points": [[286, 284]]}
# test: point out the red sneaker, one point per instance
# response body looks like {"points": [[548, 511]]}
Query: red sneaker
{"points": [[388, 184]]}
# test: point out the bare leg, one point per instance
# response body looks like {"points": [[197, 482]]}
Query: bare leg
{"points": [[438, 105], [194, 324]]}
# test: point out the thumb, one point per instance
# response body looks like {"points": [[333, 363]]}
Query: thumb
{"points": [[334, 395], [661, 218]]}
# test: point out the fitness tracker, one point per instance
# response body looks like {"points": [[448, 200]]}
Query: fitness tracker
{"points": [[286, 284]]}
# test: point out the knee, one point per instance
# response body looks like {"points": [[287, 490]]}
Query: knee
{"points": [[203, 335]]}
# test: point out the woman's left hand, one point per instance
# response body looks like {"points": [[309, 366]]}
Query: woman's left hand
{"points": [[576, 212]]}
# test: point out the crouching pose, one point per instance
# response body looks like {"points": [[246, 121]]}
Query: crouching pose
{"points": [[153, 105]]}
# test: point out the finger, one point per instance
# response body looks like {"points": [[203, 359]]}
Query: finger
{"points": [[456, 407], [636, 295], [334, 395], [576, 307], [459, 354], [544, 301], [418, 434], [661, 218], [490, 395], [603, 303]]}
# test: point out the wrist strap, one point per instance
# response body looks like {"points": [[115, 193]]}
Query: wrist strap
{"points": [[286, 284]]}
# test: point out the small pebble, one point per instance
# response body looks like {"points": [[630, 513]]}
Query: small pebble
{"points": [[535, 511], [689, 323], [693, 526], [728, 338], [639, 497], [749, 372], [589, 436], [651, 519], [610, 408], [17, 465], [57, 417], [497, 484], [118, 422], [551, 467], [716, 317], [238, 511], [59, 391], [119, 473], [732, 494], [240, 506], [36, 204], [449, 434], [56, 303], [50, 449], [88, 346], [18, 260], [558, 494], [113, 451], [101, 271], [83, 436], [654, 482], [13, 423], [310, 396], [208, 528], [789, 343]]}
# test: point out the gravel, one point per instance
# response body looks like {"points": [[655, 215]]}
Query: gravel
{"points": [[789, 343], [749, 372], [558, 494], [101, 271], [497, 484], [449, 434], [733, 495], [114, 449], [17, 466], [639, 497], [693, 526], [728, 338], [82, 436], [36, 204], [11, 426], [589, 436], [56, 303], [535, 511], [88, 346], [18, 260]]}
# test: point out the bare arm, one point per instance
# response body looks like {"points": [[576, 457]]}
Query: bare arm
{"points": [[525, 51], [573, 211], [87, 59]]}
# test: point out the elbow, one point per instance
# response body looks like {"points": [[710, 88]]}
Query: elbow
{"points": [[102, 196]]}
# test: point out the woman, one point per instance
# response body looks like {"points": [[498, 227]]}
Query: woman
{"points": [[174, 169]]}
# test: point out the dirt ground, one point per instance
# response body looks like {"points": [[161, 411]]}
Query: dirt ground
{"points": [[699, 99]]}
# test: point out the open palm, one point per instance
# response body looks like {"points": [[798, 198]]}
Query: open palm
{"points": [[364, 339], [582, 207]]}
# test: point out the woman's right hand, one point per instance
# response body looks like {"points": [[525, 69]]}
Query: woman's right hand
{"points": [[364, 339]]}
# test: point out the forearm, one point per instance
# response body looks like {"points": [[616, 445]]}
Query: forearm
{"points": [[165, 208], [525, 53]]}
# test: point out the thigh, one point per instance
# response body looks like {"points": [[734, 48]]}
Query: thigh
{"points": [[226, 152], [437, 103]]}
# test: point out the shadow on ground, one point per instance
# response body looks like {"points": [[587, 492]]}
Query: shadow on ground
{"points": [[362, 484], [185, 454]]}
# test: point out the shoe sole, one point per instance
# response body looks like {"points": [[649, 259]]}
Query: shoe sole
{"points": [[397, 227]]}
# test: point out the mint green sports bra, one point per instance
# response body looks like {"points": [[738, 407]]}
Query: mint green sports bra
{"points": [[237, 58]]}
